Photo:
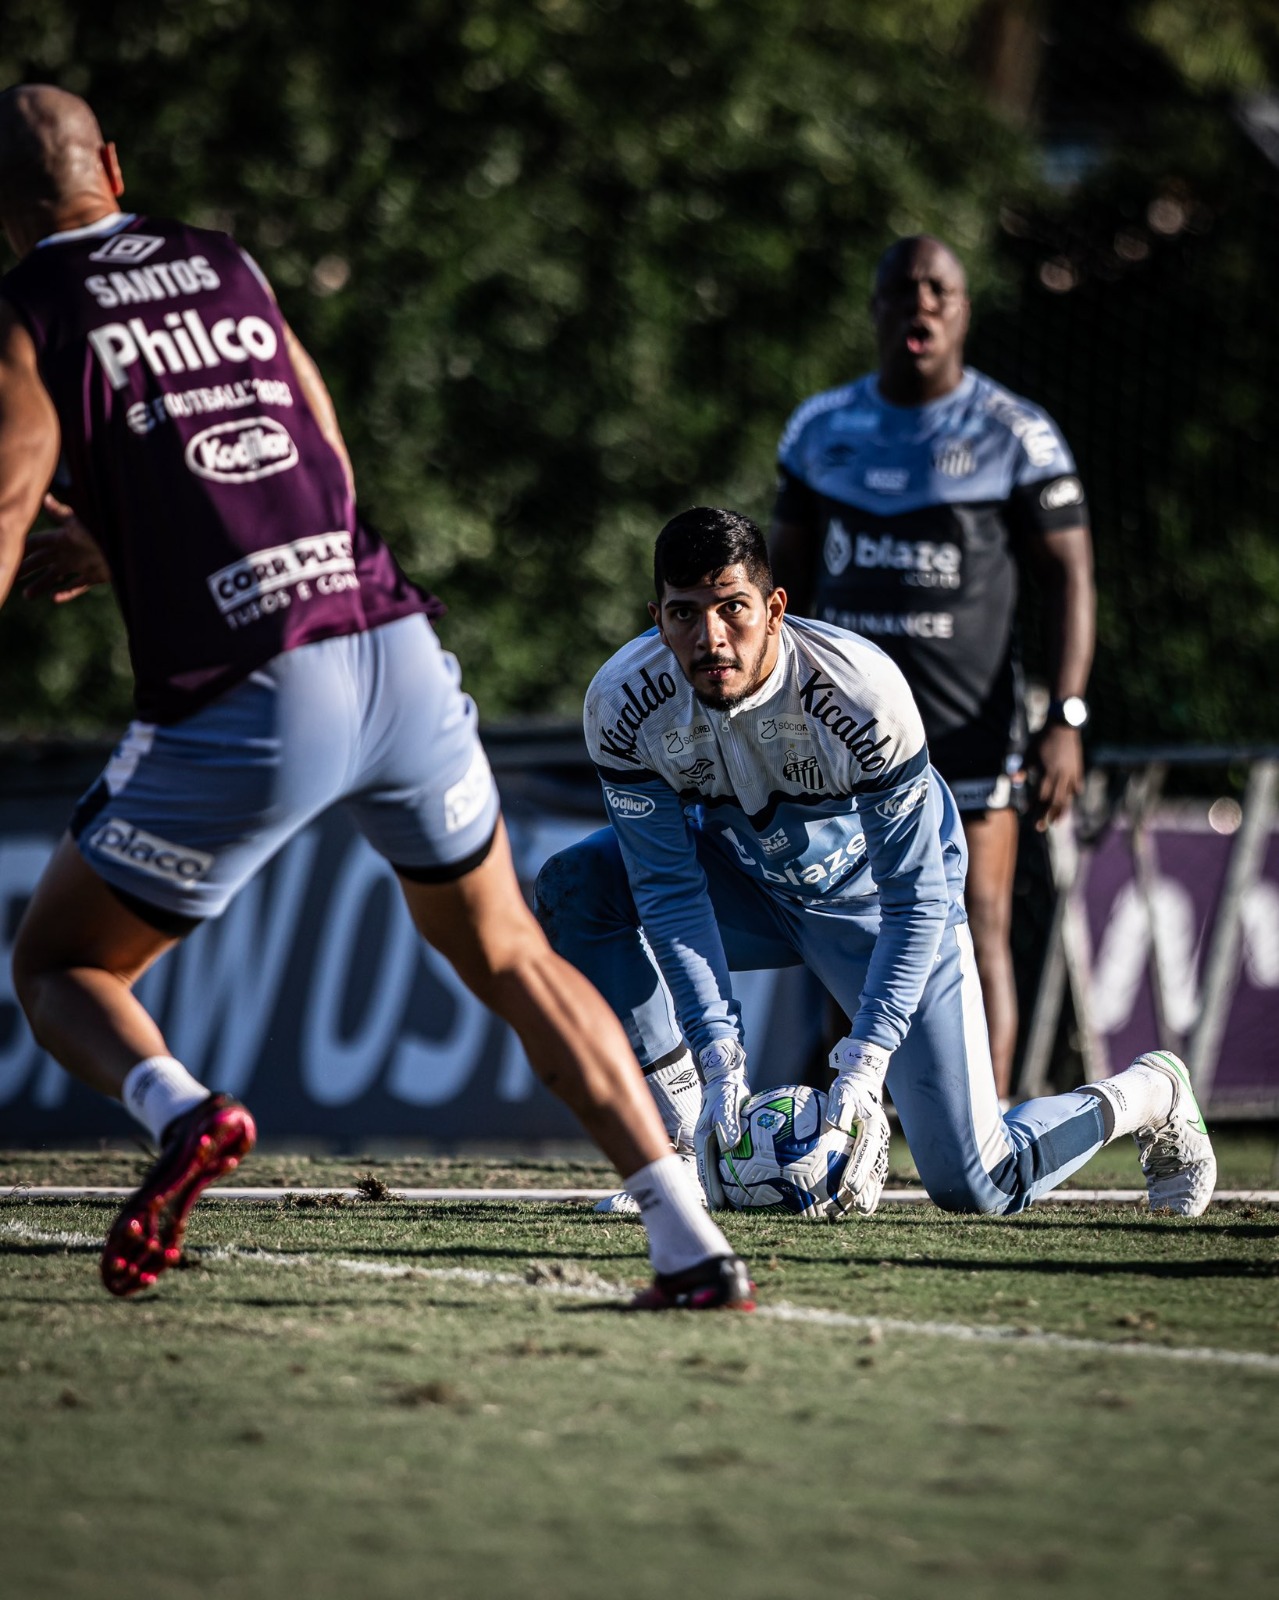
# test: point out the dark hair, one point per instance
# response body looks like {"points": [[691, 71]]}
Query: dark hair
{"points": [[701, 542]]}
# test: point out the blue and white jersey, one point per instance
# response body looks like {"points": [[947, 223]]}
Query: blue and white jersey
{"points": [[818, 787], [918, 513]]}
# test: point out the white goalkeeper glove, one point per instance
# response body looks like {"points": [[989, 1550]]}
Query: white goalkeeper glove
{"points": [[855, 1105], [719, 1127]]}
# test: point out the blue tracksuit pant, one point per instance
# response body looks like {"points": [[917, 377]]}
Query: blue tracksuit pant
{"points": [[969, 1157]]}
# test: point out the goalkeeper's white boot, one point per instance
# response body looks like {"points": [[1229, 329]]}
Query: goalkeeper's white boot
{"points": [[1176, 1155], [1172, 1141]]}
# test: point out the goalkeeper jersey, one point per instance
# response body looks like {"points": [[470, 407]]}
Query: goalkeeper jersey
{"points": [[919, 512], [818, 787]]}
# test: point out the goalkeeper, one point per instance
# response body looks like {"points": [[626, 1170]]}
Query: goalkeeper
{"points": [[772, 804]]}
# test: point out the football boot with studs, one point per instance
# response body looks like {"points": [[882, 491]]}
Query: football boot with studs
{"points": [[199, 1146], [718, 1282]]}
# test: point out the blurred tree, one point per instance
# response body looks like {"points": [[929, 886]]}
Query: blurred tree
{"points": [[567, 265], [1146, 321]]}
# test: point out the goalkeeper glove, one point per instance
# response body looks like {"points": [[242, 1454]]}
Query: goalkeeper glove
{"points": [[855, 1105], [719, 1126]]}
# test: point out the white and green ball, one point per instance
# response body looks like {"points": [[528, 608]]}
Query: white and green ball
{"points": [[787, 1157]]}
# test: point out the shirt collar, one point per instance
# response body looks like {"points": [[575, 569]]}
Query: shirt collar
{"points": [[111, 223], [906, 417], [771, 684]]}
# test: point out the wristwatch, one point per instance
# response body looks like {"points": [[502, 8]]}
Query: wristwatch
{"points": [[1072, 712]]}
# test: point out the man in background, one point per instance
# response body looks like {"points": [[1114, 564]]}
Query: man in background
{"points": [[283, 663], [907, 503]]}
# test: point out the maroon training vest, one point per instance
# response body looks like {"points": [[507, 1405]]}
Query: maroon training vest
{"points": [[195, 460]]}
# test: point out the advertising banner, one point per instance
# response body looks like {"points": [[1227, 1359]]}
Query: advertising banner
{"points": [[1190, 870], [315, 1001]]}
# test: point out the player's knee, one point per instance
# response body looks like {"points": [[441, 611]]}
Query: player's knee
{"points": [[29, 972], [553, 890], [1006, 1188], [989, 914], [22, 977], [964, 1191], [575, 888], [969, 1201]]}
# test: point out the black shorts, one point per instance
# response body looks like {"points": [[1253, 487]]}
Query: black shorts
{"points": [[977, 796]]}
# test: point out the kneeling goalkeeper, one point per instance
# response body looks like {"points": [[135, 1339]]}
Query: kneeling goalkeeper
{"points": [[772, 804]]}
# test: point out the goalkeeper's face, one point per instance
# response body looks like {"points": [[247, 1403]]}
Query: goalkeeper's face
{"points": [[723, 632]]}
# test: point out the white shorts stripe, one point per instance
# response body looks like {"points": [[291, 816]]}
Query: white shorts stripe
{"points": [[989, 1132]]}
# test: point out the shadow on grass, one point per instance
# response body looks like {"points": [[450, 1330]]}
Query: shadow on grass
{"points": [[1143, 1222], [40, 1247]]}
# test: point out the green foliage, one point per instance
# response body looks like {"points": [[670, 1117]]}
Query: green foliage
{"points": [[567, 266], [1215, 45], [1145, 321]]}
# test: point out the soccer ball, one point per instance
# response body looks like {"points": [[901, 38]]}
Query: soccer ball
{"points": [[787, 1157]]}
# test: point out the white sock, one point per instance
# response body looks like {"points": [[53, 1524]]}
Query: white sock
{"points": [[159, 1089], [680, 1231], [1140, 1097], [677, 1089]]}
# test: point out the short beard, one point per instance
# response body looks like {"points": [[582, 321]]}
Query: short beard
{"points": [[723, 702], [726, 702]]}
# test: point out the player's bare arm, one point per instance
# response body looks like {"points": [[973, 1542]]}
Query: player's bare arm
{"points": [[314, 388], [29, 442], [1064, 566], [320, 401]]}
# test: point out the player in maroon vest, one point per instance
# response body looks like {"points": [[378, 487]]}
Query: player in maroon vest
{"points": [[283, 664]]}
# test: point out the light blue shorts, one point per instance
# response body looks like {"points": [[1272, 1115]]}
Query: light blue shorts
{"points": [[185, 814]]}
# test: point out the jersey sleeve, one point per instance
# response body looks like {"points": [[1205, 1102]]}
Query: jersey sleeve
{"points": [[902, 828], [1047, 494], [667, 881], [899, 808], [674, 905], [255, 269]]}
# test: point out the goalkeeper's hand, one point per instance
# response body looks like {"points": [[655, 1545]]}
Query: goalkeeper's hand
{"points": [[719, 1127], [855, 1105]]}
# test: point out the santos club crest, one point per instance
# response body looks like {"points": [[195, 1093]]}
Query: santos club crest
{"points": [[802, 769], [954, 459]]}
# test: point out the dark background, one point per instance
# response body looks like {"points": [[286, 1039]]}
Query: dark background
{"points": [[569, 264]]}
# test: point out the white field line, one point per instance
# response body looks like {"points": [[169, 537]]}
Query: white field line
{"points": [[594, 1288], [234, 1193], [1018, 1338], [72, 1241], [1264, 1197]]}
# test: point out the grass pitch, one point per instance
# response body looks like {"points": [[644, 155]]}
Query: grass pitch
{"points": [[383, 1399]]}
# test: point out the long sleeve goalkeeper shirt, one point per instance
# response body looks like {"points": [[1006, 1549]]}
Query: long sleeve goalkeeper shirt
{"points": [[817, 787]]}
